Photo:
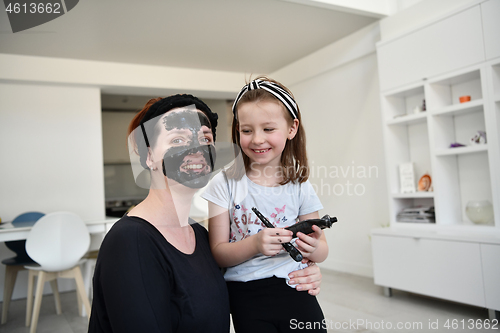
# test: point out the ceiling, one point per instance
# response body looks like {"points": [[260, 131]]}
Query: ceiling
{"points": [[250, 36]]}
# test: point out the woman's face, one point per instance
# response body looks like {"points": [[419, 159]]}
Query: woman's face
{"points": [[184, 149]]}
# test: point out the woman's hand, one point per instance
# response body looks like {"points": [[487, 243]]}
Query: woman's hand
{"points": [[308, 278], [269, 241]]}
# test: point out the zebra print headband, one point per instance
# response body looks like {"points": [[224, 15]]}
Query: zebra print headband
{"points": [[274, 89]]}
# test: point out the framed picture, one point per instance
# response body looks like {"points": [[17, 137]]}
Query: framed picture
{"points": [[407, 178]]}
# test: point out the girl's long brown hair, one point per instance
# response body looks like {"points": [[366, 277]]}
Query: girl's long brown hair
{"points": [[295, 167]]}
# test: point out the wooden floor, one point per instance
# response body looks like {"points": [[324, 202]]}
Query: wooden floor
{"points": [[350, 304]]}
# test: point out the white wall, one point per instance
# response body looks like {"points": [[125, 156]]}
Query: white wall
{"points": [[120, 78], [418, 14], [220, 106], [114, 136], [50, 139], [51, 154], [341, 114]]}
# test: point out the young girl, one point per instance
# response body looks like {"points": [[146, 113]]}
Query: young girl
{"points": [[267, 128]]}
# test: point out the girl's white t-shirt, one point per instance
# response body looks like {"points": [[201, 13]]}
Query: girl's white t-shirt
{"points": [[282, 205]]}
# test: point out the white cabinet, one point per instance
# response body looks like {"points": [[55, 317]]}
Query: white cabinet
{"points": [[490, 255], [452, 258], [443, 46], [439, 264], [490, 11]]}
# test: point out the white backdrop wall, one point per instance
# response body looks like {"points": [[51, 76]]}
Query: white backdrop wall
{"points": [[51, 155], [341, 113], [418, 14]]}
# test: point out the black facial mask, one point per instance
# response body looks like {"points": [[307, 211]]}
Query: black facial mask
{"points": [[176, 158], [189, 120]]}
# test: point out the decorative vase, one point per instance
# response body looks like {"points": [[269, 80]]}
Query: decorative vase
{"points": [[480, 211]]}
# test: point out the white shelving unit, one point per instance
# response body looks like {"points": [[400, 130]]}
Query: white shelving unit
{"points": [[493, 125], [453, 257], [461, 174], [406, 136]]}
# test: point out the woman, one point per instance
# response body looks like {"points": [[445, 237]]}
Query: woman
{"points": [[155, 271]]}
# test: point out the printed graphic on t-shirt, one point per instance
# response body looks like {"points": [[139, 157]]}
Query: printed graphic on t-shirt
{"points": [[246, 223]]}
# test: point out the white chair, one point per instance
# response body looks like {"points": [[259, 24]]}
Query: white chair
{"points": [[57, 242], [88, 271], [15, 264]]}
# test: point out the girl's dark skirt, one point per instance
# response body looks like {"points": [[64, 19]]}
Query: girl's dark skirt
{"points": [[270, 305]]}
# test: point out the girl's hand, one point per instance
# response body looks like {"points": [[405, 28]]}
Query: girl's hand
{"points": [[308, 278], [307, 244], [269, 240]]}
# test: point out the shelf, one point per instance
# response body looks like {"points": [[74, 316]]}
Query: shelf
{"points": [[457, 109], [416, 195], [444, 94], [420, 223], [469, 75], [462, 150], [409, 119], [415, 89], [475, 233]]}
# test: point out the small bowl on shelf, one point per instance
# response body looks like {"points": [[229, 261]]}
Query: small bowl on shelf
{"points": [[480, 211], [464, 99]]}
